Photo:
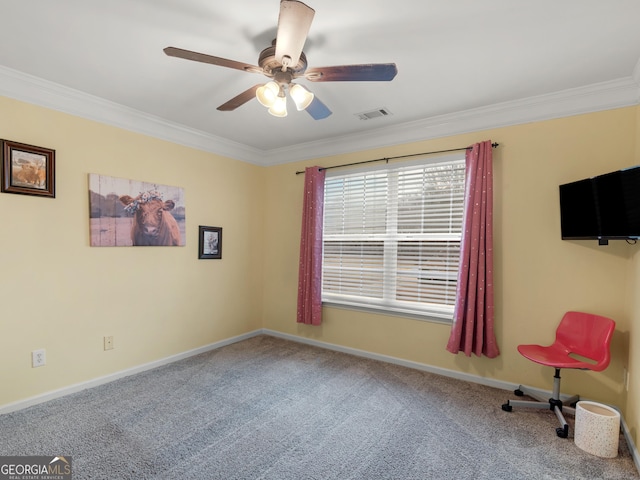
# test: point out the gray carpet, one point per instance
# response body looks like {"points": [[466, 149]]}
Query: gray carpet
{"points": [[267, 408]]}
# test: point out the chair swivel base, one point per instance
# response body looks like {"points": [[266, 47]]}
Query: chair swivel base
{"points": [[554, 404]]}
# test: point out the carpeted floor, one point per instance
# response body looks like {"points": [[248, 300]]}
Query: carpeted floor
{"points": [[267, 408]]}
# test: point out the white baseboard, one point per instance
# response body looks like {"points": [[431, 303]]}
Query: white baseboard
{"points": [[45, 397], [632, 446], [444, 372], [397, 361], [11, 407]]}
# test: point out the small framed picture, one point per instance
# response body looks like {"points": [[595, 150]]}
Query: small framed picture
{"points": [[28, 170], [210, 244]]}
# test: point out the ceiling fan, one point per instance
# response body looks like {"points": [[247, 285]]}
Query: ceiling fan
{"points": [[284, 61]]}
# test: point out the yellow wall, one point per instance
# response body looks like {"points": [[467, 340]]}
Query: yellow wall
{"points": [[60, 294], [632, 414], [538, 275]]}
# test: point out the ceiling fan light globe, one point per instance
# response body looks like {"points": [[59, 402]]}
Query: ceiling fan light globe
{"points": [[279, 108], [301, 96], [268, 93]]}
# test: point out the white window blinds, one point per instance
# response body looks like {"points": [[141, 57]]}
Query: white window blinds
{"points": [[392, 237]]}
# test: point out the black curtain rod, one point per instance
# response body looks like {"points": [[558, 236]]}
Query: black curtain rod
{"points": [[386, 159]]}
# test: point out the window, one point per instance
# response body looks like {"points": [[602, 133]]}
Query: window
{"points": [[392, 237]]}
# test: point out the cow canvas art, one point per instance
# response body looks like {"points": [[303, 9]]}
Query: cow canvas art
{"points": [[134, 213]]}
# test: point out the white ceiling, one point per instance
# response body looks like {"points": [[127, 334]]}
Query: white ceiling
{"points": [[463, 65]]}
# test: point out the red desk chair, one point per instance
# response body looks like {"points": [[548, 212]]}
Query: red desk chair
{"points": [[582, 342]]}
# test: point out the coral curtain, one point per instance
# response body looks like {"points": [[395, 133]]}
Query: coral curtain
{"points": [[473, 329], [310, 268]]}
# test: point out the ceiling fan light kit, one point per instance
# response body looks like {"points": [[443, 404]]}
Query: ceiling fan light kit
{"points": [[301, 96], [267, 93], [272, 96], [285, 61], [279, 107]]}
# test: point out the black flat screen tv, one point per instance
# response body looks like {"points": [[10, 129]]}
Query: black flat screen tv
{"points": [[605, 207]]}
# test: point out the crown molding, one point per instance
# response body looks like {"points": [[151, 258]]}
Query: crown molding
{"points": [[31, 89], [591, 98], [618, 93]]}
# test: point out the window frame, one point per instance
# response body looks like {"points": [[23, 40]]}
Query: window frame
{"points": [[429, 311]]}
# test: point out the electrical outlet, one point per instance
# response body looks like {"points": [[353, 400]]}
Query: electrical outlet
{"points": [[108, 343], [38, 358]]}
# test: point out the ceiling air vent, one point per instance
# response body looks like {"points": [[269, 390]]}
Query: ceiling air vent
{"points": [[380, 112]]}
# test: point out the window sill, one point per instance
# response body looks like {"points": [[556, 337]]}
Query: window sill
{"points": [[423, 317]]}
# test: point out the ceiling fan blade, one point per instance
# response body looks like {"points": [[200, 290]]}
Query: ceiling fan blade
{"points": [[318, 110], [201, 57], [293, 26], [371, 72], [239, 100]]}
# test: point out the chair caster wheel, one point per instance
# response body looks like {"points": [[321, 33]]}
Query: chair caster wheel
{"points": [[563, 432], [506, 407], [518, 393]]}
